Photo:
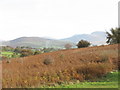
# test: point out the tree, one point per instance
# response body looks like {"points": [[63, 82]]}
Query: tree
{"points": [[17, 50], [26, 52], [114, 36], [68, 46], [83, 43]]}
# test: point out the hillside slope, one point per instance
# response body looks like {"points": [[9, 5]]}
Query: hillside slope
{"points": [[66, 65]]}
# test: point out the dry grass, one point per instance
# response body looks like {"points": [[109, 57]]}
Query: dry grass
{"points": [[67, 65]]}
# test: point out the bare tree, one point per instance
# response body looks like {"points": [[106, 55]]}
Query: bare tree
{"points": [[68, 46]]}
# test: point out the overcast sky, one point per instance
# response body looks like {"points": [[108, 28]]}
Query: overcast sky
{"points": [[56, 18]]}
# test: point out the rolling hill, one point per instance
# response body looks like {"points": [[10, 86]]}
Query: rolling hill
{"points": [[96, 38], [36, 42]]}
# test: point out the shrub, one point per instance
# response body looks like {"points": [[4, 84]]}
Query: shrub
{"points": [[83, 43], [94, 70], [104, 59], [8, 61], [26, 52], [45, 50], [37, 52], [48, 60], [17, 50]]}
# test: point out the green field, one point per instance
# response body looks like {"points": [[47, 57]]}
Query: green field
{"points": [[6, 53], [110, 81], [9, 54]]}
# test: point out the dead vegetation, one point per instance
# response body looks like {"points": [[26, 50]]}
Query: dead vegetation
{"points": [[60, 67]]}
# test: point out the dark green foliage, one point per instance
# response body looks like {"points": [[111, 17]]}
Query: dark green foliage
{"points": [[26, 52], [114, 36], [37, 52], [14, 55], [83, 43], [10, 52], [48, 50], [17, 50]]}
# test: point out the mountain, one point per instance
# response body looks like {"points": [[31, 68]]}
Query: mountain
{"points": [[36, 42], [96, 38]]}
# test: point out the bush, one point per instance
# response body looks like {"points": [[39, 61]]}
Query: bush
{"points": [[37, 52], [45, 50], [8, 61], [17, 50], [94, 70], [26, 52], [48, 60], [83, 43]]}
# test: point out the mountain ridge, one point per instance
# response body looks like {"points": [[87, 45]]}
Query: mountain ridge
{"points": [[96, 38], [36, 42]]}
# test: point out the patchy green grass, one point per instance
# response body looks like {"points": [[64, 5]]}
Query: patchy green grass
{"points": [[6, 53], [109, 81], [9, 54]]}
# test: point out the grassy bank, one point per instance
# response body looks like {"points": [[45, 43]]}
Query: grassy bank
{"points": [[109, 81]]}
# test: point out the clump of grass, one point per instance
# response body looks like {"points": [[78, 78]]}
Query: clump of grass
{"points": [[105, 55], [48, 60], [104, 58]]}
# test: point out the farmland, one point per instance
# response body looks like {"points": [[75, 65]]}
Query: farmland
{"points": [[9, 54], [59, 67]]}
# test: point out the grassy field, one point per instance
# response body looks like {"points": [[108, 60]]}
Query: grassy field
{"points": [[6, 53], [9, 54], [110, 81]]}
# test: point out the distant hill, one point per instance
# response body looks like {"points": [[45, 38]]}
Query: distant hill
{"points": [[96, 38], [36, 42]]}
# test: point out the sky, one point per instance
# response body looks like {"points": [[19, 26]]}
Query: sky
{"points": [[56, 18]]}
